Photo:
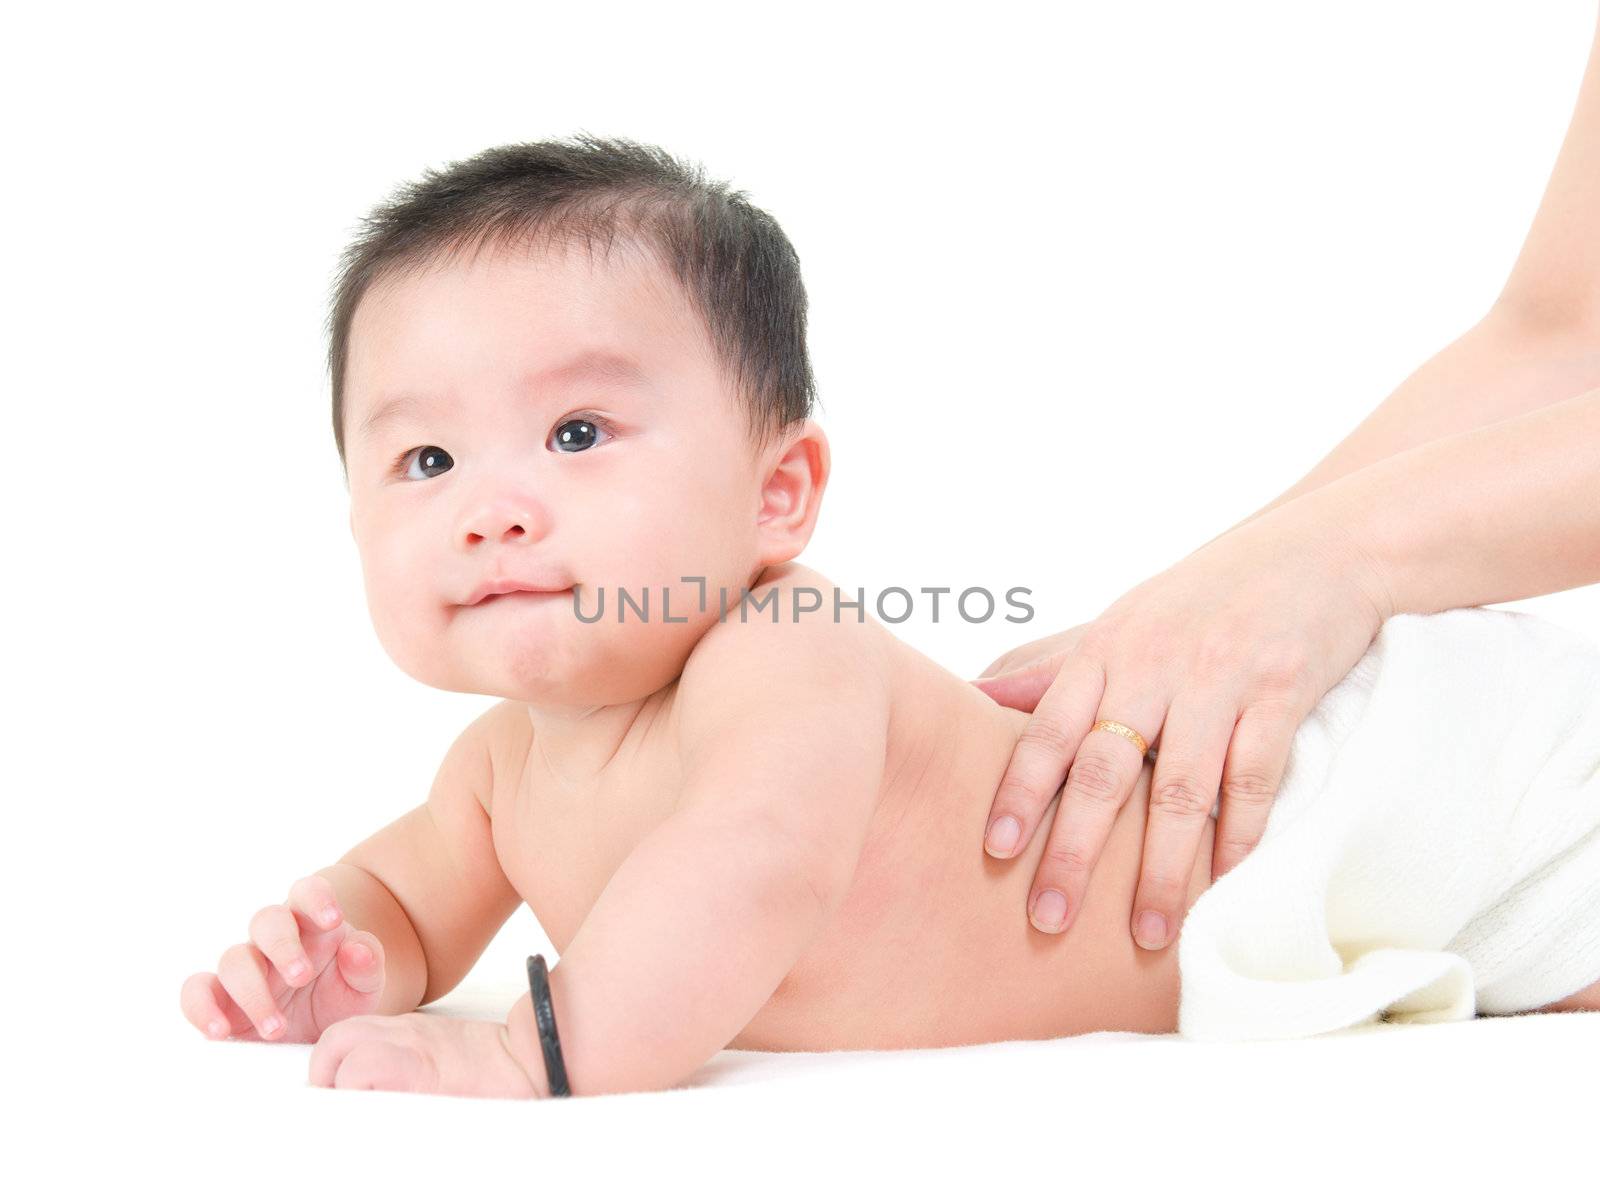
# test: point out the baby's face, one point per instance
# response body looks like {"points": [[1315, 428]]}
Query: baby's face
{"points": [[554, 419]]}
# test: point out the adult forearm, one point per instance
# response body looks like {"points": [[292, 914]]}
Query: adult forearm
{"points": [[1493, 514], [1540, 342], [1502, 367]]}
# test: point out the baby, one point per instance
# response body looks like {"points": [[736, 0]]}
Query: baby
{"points": [[572, 395]]}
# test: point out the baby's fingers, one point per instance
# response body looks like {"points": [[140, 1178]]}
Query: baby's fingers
{"points": [[209, 1008], [314, 898], [276, 930], [243, 972], [360, 961]]}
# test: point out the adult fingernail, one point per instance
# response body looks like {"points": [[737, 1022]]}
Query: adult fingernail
{"points": [[1049, 910], [1003, 835], [1151, 930]]}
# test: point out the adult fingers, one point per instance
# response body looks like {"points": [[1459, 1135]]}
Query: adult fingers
{"points": [[1040, 648], [1194, 743], [1251, 778], [1023, 687], [1103, 773], [1040, 758], [1009, 661]]}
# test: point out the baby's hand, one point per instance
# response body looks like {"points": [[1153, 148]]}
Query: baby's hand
{"points": [[302, 970]]}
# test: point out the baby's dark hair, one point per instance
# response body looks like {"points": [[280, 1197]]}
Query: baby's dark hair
{"points": [[734, 262]]}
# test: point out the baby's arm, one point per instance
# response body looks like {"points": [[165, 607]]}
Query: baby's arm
{"points": [[428, 884], [395, 923], [783, 732]]}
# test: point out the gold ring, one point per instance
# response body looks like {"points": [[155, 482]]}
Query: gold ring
{"points": [[1121, 730]]}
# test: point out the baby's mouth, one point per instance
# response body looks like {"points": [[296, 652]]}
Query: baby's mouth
{"points": [[521, 597]]}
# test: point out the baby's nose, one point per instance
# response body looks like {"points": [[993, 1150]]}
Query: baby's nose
{"points": [[503, 521]]}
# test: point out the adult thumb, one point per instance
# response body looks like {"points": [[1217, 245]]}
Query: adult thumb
{"points": [[1022, 687]]}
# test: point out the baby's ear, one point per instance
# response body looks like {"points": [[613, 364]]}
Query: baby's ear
{"points": [[791, 493]]}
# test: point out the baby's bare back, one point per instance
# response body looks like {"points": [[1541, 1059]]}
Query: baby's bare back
{"points": [[932, 944]]}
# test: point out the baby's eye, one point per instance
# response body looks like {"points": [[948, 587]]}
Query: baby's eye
{"points": [[427, 457], [580, 433]]}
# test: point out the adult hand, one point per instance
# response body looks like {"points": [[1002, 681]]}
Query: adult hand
{"points": [[1220, 657]]}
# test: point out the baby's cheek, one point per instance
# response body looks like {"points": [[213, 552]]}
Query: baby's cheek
{"points": [[406, 628], [397, 634]]}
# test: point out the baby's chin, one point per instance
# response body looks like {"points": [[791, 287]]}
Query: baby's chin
{"points": [[557, 669]]}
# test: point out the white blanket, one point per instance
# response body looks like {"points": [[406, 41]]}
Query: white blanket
{"points": [[1433, 850]]}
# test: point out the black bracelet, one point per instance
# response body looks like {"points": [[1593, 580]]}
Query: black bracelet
{"points": [[544, 1016]]}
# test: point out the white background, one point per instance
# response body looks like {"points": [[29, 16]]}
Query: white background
{"points": [[1089, 283]]}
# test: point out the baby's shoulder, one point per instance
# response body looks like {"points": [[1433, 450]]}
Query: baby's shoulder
{"points": [[501, 735], [785, 645]]}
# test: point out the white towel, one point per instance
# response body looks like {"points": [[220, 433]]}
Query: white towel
{"points": [[1433, 850]]}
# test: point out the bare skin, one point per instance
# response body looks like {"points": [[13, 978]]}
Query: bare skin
{"points": [[926, 949], [1473, 483], [746, 836]]}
